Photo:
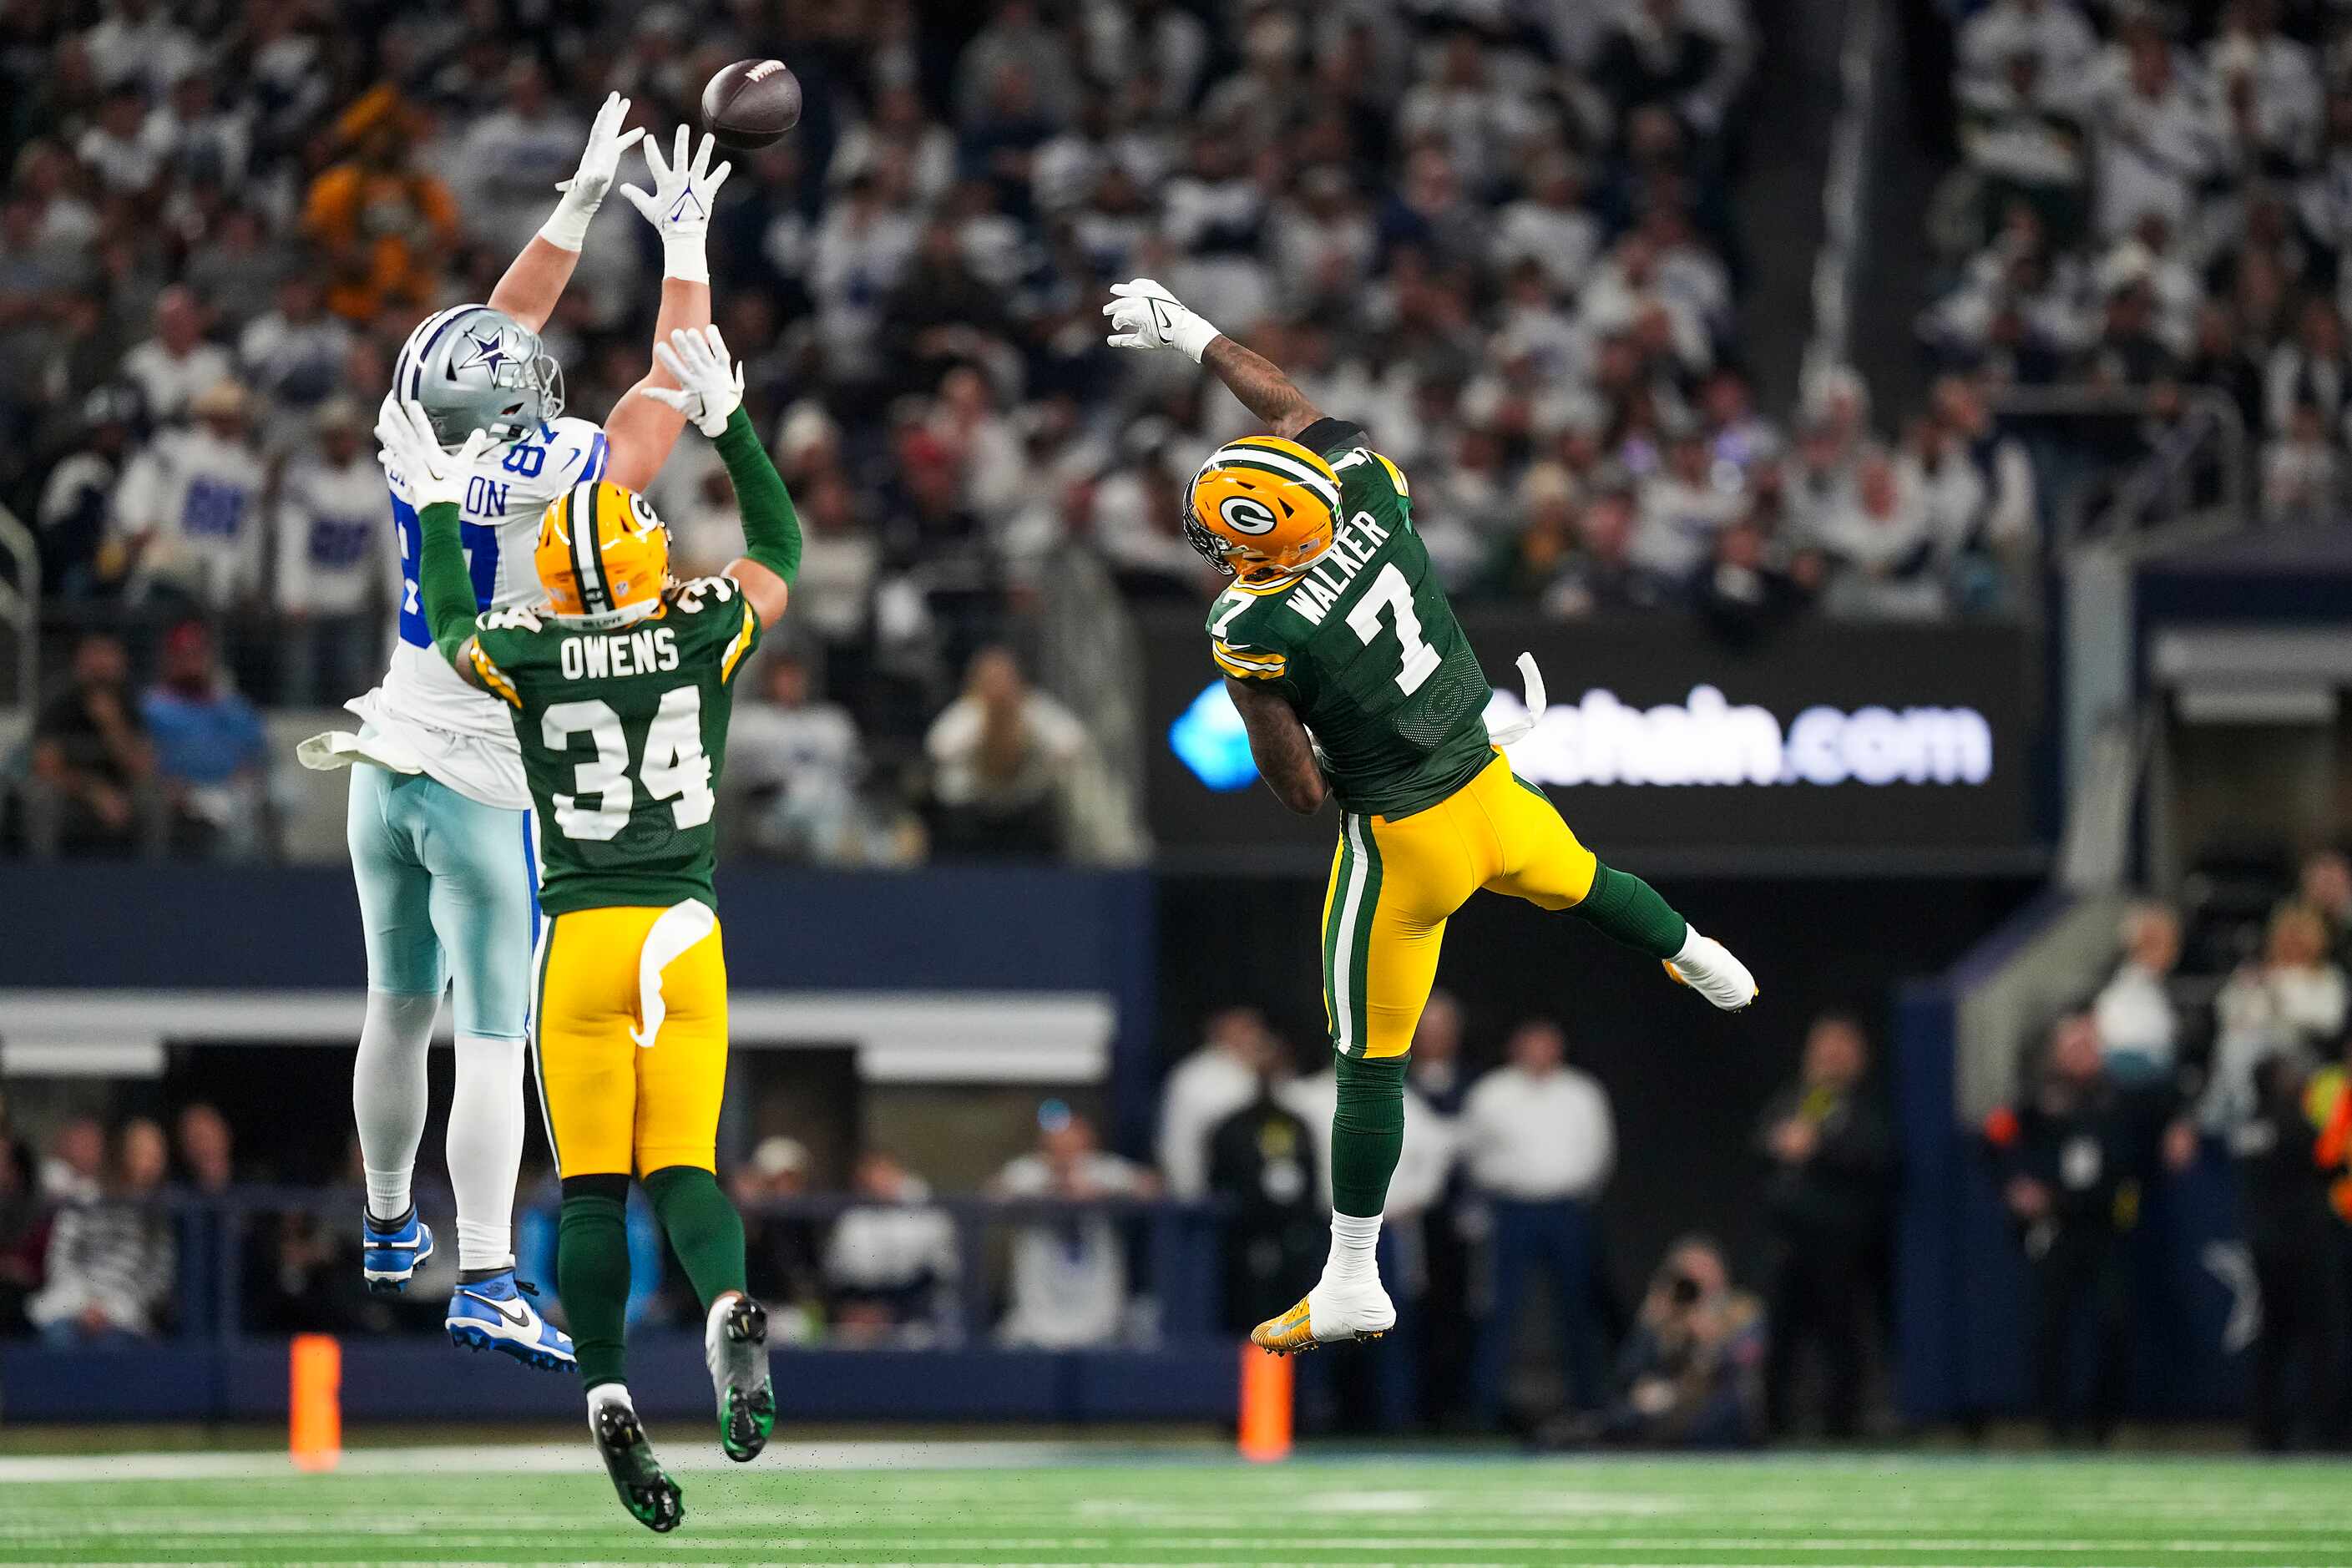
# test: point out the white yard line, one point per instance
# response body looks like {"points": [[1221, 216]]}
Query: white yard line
{"points": [[555, 1458]]}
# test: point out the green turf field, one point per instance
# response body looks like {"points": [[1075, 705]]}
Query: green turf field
{"points": [[843, 1505]]}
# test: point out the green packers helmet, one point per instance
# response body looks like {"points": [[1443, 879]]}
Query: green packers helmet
{"points": [[474, 368]]}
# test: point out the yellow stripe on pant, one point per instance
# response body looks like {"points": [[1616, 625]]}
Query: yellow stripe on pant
{"points": [[1395, 881], [615, 1107]]}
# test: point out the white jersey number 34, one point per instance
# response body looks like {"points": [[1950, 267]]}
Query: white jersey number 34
{"points": [[673, 767]]}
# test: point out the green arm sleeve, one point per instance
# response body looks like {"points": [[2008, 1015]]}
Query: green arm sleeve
{"points": [[771, 529], [443, 587]]}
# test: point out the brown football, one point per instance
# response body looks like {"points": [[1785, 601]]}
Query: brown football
{"points": [[751, 103]]}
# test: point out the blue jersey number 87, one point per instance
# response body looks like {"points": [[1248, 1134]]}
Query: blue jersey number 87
{"points": [[482, 541]]}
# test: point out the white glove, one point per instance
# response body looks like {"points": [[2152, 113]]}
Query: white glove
{"points": [[707, 390], [679, 205], [414, 457], [1143, 315], [600, 164]]}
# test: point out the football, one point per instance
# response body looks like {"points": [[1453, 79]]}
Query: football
{"points": [[751, 103]]}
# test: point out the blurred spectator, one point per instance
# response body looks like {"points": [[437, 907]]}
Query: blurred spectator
{"points": [[2299, 1266], [1692, 1374], [109, 1268], [840, 561], [78, 500], [187, 516], [886, 1267], [693, 498], [2302, 474], [1739, 593], [75, 1169], [1005, 760], [382, 228], [797, 759], [308, 1285], [1829, 1160], [512, 156], [2139, 1027], [2073, 1160], [293, 354], [1539, 1142], [333, 563], [1551, 226], [206, 1149], [1655, 58], [1227, 1072], [2290, 999], [210, 748], [1068, 1276], [1260, 1160], [177, 366], [24, 1233], [1684, 507], [93, 784], [782, 1252], [1880, 546], [2327, 886]]}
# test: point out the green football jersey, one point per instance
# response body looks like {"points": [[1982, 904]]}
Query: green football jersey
{"points": [[624, 732], [1364, 645]]}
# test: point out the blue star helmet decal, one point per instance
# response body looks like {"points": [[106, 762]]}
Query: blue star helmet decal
{"points": [[489, 346], [1210, 739]]}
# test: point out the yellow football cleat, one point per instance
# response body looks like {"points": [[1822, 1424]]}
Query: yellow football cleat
{"points": [[1361, 1314]]}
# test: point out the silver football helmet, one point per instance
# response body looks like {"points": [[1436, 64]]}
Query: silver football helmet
{"points": [[474, 368]]}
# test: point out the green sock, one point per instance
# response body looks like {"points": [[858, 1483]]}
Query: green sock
{"points": [[1624, 906], [703, 1228], [1367, 1134], [592, 1275]]}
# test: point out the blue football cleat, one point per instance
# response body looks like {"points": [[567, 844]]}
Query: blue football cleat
{"points": [[491, 1315], [390, 1255]]}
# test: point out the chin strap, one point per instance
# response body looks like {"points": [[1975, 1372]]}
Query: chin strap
{"points": [[1519, 729]]}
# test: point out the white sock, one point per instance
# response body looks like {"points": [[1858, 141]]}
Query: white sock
{"points": [[388, 1095], [605, 1393], [486, 1149], [1354, 1242], [1691, 938]]}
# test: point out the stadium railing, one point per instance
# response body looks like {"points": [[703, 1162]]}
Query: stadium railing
{"points": [[2099, 475], [212, 1364], [20, 606]]}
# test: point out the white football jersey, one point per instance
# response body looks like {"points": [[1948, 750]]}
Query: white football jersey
{"points": [[462, 735]]}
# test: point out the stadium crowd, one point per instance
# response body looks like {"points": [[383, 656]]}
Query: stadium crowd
{"points": [[1503, 1173], [2219, 1037], [2220, 1034], [1506, 244], [2151, 200]]}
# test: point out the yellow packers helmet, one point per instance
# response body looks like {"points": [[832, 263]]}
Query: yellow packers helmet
{"points": [[602, 554], [1262, 507]]}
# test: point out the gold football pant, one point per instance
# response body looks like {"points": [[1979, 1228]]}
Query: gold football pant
{"points": [[1395, 881], [612, 978]]}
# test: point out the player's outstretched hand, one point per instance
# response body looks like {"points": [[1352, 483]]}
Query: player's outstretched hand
{"points": [[1145, 315], [412, 451], [709, 385], [679, 205], [600, 162]]}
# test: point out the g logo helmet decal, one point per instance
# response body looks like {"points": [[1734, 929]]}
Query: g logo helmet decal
{"points": [[1246, 514]]}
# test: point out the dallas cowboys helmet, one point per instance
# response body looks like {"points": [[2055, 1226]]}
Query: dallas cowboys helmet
{"points": [[474, 368]]}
